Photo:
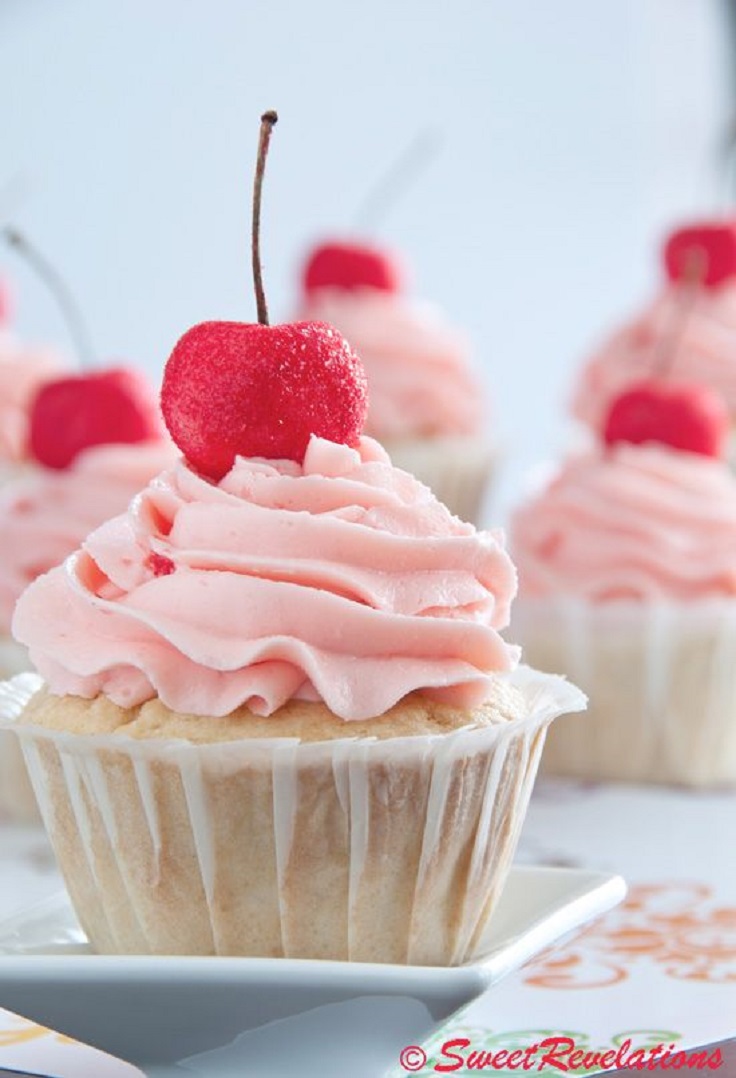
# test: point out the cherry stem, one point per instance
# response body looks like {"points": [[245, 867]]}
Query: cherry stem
{"points": [[412, 161], [267, 123], [58, 287], [694, 270]]}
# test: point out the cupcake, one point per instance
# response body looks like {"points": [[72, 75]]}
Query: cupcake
{"points": [[279, 717], [627, 563], [691, 324], [426, 401], [76, 483]]}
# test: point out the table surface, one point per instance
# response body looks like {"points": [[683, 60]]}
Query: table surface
{"points": [[661, 969]]}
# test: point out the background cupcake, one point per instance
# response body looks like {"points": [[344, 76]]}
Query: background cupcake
{"points": [[56, 434], [426, 402], [627, 563], [688, 332], [77, 482]]}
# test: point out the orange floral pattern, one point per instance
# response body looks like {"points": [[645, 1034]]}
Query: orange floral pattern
{"points": [[676, 925], [21, 1030]]}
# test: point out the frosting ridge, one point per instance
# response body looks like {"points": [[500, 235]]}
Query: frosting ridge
{"points": [[631, 522], [46, 514], [342, 579]]}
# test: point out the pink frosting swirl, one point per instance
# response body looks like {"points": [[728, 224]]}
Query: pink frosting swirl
{"points": [[342, 579], [45, 515], [421, 382], [694, 340], [22, 371], [633, 522]]}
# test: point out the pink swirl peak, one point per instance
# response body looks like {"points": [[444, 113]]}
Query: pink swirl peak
{"points": [[633, 522], [342, 579], [420, 379], [699, 346]]}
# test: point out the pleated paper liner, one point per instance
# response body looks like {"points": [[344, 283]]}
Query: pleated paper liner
{"points": [[390, 850], [17, 800], [661, 682]]}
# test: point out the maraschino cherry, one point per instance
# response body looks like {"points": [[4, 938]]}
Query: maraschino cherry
{"points": [[112, 406], [97, 407], [712, 243], [350, 266], [236, 389], [683, 415]]}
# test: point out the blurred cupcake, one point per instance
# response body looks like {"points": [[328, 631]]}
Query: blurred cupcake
{"points": [[627, 563], [691, 325], [279, 718], [426, 403], [97, 440]]}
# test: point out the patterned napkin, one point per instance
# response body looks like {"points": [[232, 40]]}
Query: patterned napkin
{"points": [[28, 1049]]}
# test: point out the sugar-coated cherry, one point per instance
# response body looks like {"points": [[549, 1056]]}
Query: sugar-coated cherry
{"points": [[255, 390], [235, 389], [350, 266], [706, 251], [684, 415], [97, 408]]}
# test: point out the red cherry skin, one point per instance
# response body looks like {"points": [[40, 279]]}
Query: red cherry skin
{"points": [[232, 389], [350, 266], [98, 408], [715, 243], [683, 415]]}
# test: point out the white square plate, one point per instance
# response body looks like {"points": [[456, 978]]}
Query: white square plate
{"points": [[269, 1017]]}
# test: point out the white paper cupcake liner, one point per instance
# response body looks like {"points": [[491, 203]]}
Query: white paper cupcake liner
{"points": [[391, 850], [661, 680], [17, 801], [458, 469]]}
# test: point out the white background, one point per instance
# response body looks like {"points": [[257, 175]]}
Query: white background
{"points": [[572, 132]]}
